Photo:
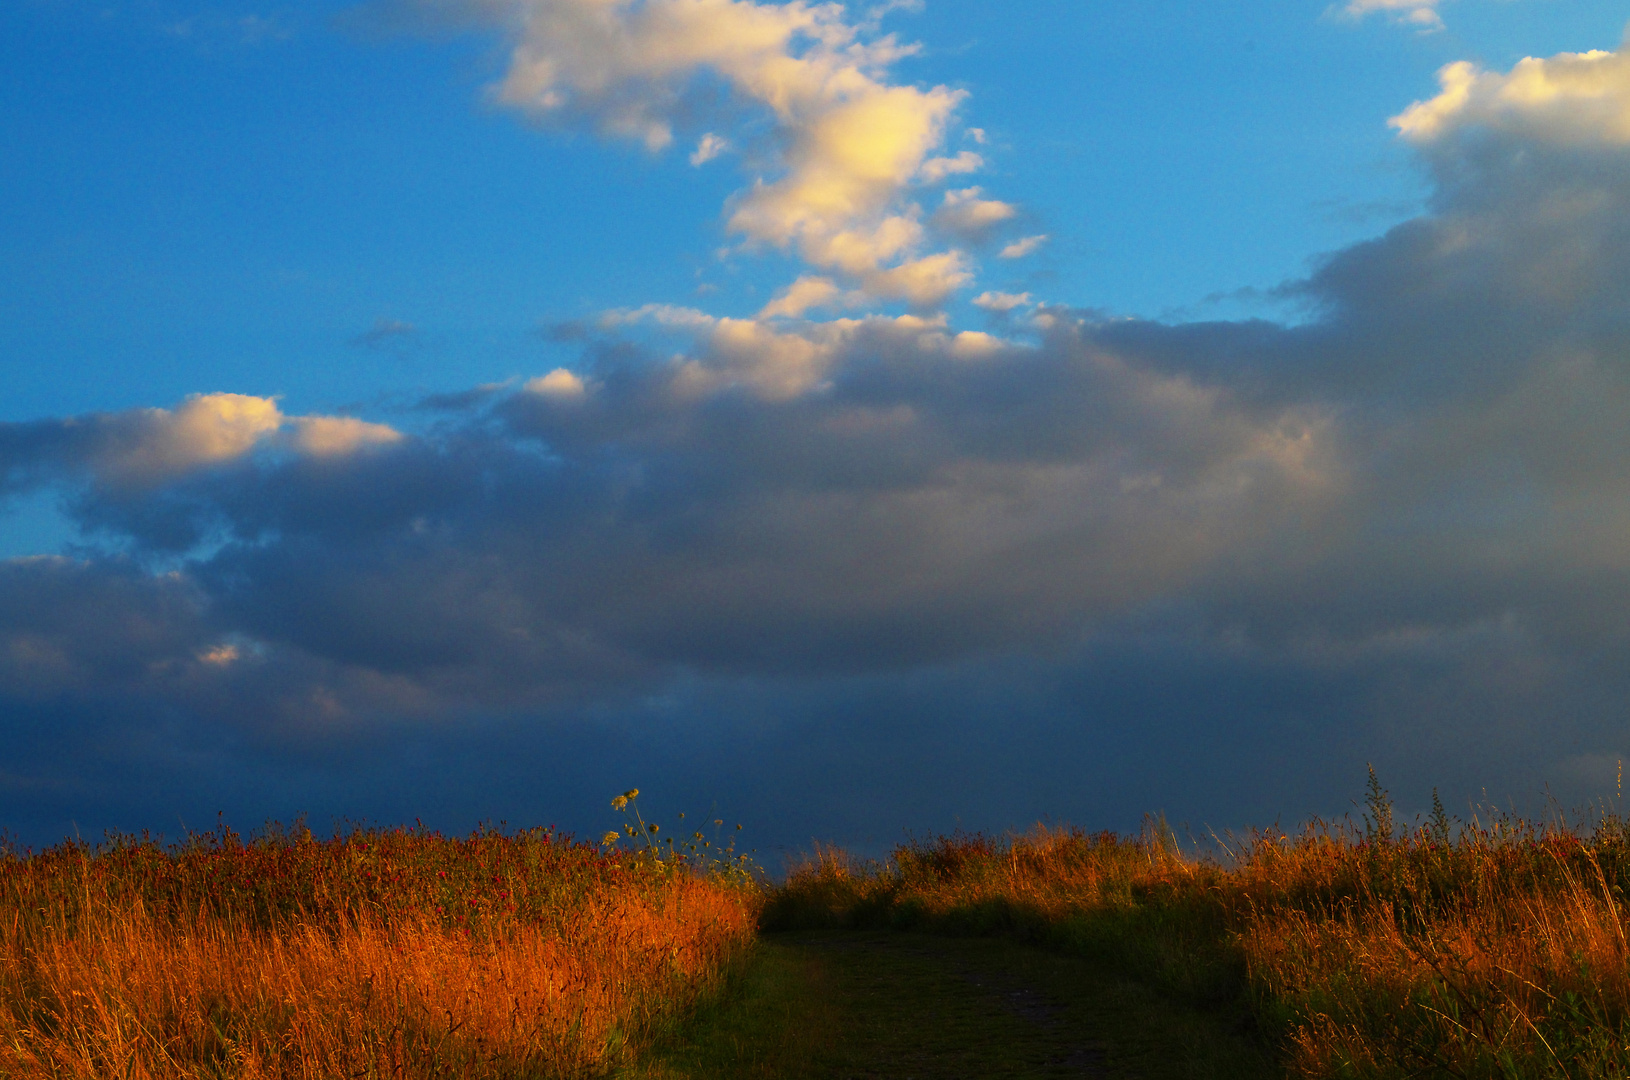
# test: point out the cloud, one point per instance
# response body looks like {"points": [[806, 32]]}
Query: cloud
{"points": [[809, 291], [1576, 98], [831, 183], [1421, 14], [1001, 302], [1020, 248], [1391, 531], [384, 333], [147, 448], [560, 384], [936, 169], [331, 436], [971, 218], [709, 147]]}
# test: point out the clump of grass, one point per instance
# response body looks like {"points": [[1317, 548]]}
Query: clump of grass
{"points": [[1367, 949], [368, 953]]}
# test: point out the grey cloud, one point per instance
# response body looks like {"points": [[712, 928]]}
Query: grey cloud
{"points": [[386, 334]]}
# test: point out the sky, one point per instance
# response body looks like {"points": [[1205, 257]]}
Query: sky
{"points": [[855, 421]]}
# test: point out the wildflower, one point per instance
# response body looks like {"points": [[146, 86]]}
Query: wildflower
{"points": [[610, 838]]}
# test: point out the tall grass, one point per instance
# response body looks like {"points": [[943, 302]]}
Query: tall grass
{"points": [[371, 953], [1490, 949]]}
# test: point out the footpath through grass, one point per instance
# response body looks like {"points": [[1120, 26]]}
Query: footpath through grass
{"points": [[848, 1005]]}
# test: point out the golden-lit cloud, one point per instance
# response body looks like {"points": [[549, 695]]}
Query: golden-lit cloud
{"points": [[142, 449], [331, 436], [560, 384], [205, 430], [809, 291], [833, 182], [1578, 98]]}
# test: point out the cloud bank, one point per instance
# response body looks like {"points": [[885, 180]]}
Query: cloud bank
{"points": [[1056, 565]]}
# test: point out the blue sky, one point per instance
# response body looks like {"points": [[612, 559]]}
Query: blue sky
{"points": [[405, 413]]}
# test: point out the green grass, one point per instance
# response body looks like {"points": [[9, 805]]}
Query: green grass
{"points": [[844, 1004]]}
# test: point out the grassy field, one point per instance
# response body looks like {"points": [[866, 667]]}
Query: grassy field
{"points": [[1493, 948], [368, 954], [1489, 949]]}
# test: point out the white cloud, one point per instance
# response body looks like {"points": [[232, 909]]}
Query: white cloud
{"points": [[846, 147], [1020, 248], [1421, 14], [1001, 301], [965, 213], [1569, 98], [936, 169], [709, 147]]}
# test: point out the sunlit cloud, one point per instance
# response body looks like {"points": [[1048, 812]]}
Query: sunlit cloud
{"points": [[709, 147], [968, 215], [1020, 248], [1571, 97], [1002, 302], [834, 181], [146, 448], [1420, 14]]}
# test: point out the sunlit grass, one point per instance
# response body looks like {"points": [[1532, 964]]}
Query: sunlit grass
{"points": [[1491, 949], [399, 953]]}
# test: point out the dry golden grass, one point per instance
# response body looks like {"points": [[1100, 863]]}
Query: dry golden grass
{"points": [[1476, 951], [372, 954]]}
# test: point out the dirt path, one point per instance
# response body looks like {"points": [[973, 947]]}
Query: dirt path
{"points": [[865, 1006]]}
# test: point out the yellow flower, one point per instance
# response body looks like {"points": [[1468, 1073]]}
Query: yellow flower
{"points": [[619, 802], [610, 838]]}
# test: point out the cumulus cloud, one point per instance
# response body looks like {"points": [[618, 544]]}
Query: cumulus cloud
{"points": [[147, 448], [809, 291], [1020, 248], [1002, 302], [834, 179], [709, 147], [1580, 98], [331, 436], [1421, 14], [970, 217], [560, 384]]}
